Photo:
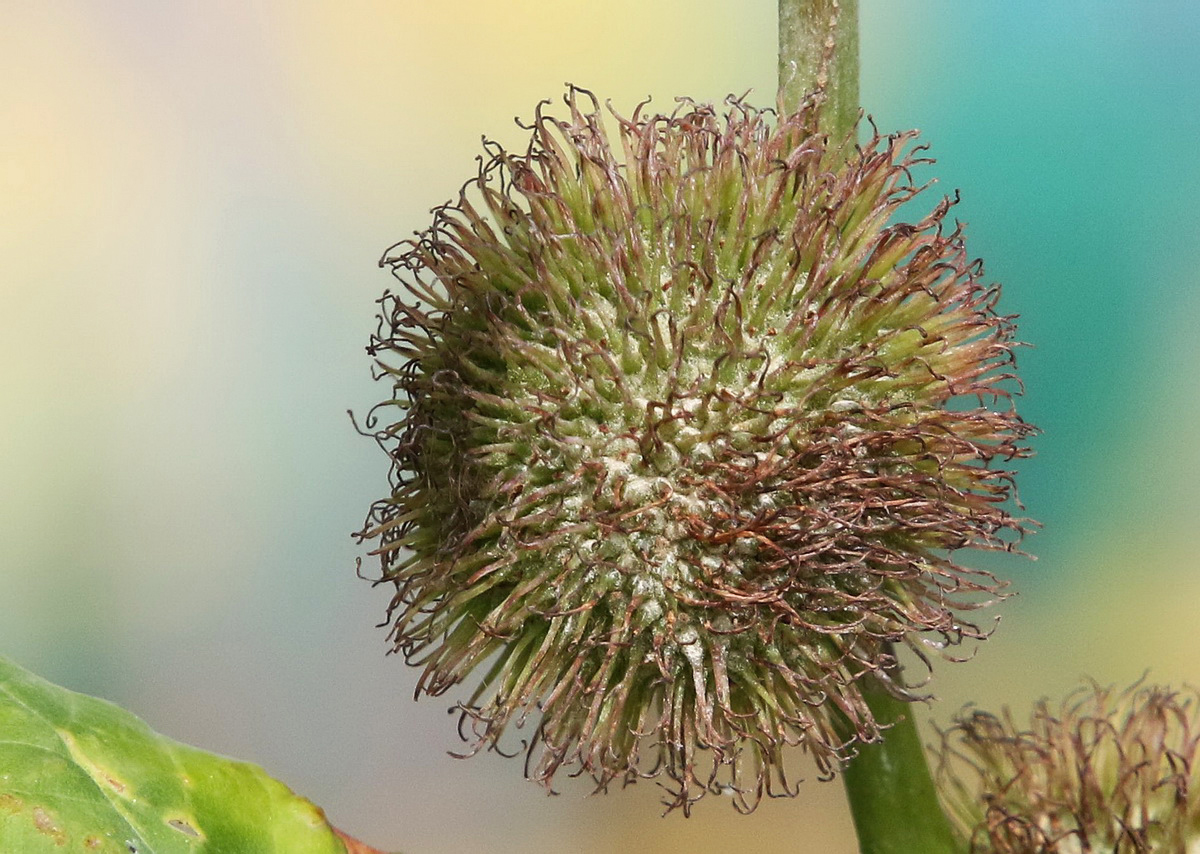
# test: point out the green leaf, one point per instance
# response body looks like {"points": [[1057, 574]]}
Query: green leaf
{"points": [[79, 774]]}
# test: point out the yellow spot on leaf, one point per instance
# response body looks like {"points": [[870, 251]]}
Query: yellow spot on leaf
{"points": [[10, 803]]}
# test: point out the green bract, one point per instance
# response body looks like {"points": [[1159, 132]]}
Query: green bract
{"points": [[78, 774], [686, 423]]}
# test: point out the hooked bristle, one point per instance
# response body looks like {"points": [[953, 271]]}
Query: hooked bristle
{"points": [[1105, 771]]}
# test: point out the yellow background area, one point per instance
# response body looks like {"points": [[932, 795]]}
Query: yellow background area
{"points": [[193, 198]]}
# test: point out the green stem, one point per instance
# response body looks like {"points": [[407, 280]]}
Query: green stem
{"points": [[892, 796], [891, 792], [818, 52]]}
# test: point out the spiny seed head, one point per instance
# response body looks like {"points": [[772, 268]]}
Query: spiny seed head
{"points": [[686, 425], [1107, 771]]}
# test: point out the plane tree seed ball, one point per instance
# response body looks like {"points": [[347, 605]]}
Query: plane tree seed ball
{"points": [[688, 421]]}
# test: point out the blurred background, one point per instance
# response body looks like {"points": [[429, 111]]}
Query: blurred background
{"points": [[193, 198]]}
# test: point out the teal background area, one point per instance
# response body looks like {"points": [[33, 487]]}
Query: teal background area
{"points": [[193, 198]]}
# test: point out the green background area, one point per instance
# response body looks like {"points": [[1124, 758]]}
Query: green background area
{"points": [[192, 202]]}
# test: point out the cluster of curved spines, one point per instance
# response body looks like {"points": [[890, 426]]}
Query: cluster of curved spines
{"points": [[1106, 771], [686, 426]]}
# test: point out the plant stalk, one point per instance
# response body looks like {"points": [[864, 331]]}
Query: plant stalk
{"points": [[818, 53], [892, 796], [891, 792]]}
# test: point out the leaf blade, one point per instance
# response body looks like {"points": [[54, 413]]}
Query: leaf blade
{"points": [[79, 773]]}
